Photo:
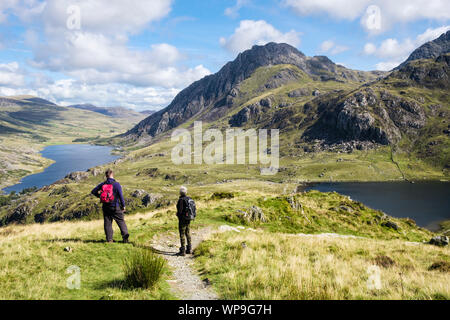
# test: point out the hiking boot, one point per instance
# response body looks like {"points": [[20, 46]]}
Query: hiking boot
{"points": [[182, 252], [188, 250], [126, 239]]}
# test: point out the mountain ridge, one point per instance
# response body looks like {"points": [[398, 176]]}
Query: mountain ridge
{"points": [[430, 50], [219, 89]]}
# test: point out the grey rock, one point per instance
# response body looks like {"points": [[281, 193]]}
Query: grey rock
{"points": [[440, 241], [150, 199], [390, 224], [212, 91], [247, 114], [138, 193], [77, 176], [299, 93]]}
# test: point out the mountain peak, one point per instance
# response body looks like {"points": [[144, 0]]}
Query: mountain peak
{"points": [[431, 49], [213, 93]]}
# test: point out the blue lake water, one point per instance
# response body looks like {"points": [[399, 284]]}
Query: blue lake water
{"points": [[428, 203], [68, 158]]}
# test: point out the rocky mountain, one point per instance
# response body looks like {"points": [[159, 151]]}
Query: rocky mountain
{"points": [[215, 93], [431, 49], [114, 112], [318, 105]]}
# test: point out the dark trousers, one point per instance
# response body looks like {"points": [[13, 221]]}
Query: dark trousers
{"points": [[110, 214], [184, 226]]}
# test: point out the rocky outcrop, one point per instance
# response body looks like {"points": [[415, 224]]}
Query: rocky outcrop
{"points": [[150, 199], [299, 93], [440, 241], [77, 176], [430, 50], [366, 116], [406, 114], [425, 73], [214, 92], [280, 79], [247, 114], [20, 213]]}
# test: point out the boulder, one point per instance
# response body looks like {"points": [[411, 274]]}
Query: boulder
{"points": [[77, 176], [299, 93], [248, 113], [150, 199], [253, 214], [440, 241], [95, 172], [21, 212], [138, 193], [390, 224], [266, 102]]}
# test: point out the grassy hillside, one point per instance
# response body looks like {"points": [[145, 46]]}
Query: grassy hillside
{"points": [[151, 170], [274, 261], [252, 265], [34, 123]]}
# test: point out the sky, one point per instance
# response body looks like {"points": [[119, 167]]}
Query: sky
{"points": [[141, 53]]}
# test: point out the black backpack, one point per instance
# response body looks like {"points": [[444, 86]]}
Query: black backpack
{"points": [[191, 210]]}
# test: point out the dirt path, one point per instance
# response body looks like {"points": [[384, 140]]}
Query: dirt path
{"points": [[186, 282]]}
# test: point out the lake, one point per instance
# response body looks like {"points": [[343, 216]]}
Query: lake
{"points": [[68, 158], [428, 203]]}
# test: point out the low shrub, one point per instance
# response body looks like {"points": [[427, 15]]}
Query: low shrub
{"points": [[143, 269]]}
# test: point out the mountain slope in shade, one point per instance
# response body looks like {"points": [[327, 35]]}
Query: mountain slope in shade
{"points": [[431, 49], [214, 94], [114, 112]]}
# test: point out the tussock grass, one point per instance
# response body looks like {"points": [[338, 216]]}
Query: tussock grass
{"points": [[143, 269], [278, 266]]}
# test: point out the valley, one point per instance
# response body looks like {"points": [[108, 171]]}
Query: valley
{"points": [[269, 237], [28, 124]]}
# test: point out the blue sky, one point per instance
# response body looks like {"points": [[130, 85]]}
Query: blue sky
{"points": [[141, 53]]}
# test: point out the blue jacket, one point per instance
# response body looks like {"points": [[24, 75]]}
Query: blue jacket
{"points": [[117, 189]]}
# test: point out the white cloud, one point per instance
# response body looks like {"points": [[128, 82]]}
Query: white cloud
{"points": [[233, 12], [95, 58], [391, 12], [387, 66], [370, 48], [431, 34], [99, 52], [96, 62], [71, 91], [11, 75], [331, 47], [25, 10], [398, 51], [107, 16], [259, 32]]}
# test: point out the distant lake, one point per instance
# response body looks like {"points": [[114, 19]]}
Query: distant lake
{"points": [[68, 158], [428, 203]]}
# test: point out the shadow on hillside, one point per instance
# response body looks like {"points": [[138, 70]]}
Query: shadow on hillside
{"points": [[164, 253], [113, 284], [74, 240], [137, 245]]}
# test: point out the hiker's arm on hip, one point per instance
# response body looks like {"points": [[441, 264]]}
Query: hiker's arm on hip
{"points": [[96, 190]]}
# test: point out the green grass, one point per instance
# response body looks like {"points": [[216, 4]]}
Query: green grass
{"points": [[259, 265], [34, 263], [143, 269]]}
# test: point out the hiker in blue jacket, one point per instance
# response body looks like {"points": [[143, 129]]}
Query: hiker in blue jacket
{"points": [[111, 197]]}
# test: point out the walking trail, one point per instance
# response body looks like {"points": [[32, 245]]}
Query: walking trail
{"points": [[186, 282]]}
